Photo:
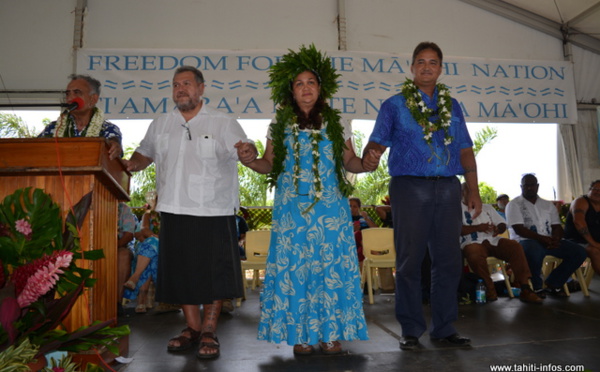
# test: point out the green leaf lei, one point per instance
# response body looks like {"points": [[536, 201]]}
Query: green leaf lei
{"points": [[421, 113], [282, 74], [285, 117]]}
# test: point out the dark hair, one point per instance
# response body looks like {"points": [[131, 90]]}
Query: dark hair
{"points": [[197, 73], [313, 120], [427, 45], [93, 83], [593, 183], [357, 200], [528, 175]]}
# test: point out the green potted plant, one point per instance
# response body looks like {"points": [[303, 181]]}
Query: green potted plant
{"points": [[39, 277]]}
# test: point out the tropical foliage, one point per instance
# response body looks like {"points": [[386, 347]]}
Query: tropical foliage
{"points": [[12, 126], [39, 276], [254, 189], [142, 181]]}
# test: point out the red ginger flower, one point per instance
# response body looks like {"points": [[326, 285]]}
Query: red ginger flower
{"points": [[38, 277]]}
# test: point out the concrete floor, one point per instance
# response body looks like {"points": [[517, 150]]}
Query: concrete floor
{"points": [[507, 332]]}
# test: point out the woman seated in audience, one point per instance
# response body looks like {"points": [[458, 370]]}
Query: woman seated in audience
{"points": [[144, 265]]}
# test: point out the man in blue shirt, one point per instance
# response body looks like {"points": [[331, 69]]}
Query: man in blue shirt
{"points": [[85, 120], [429, 145]]}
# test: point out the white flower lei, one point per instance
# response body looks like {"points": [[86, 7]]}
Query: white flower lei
{"points": [[315, 138], [64, 122], [421, 113]]}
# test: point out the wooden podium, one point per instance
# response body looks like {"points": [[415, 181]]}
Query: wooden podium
{"points": [[68, 169]]}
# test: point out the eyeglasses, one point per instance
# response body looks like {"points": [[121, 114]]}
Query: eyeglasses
{"points": [[187, 128]]}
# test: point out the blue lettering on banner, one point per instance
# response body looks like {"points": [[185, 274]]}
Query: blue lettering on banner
{"points": [[346, 104], [531, 110], [110, 105], [518, 72], [342, 64], [259, 63], [451, 68], [152, 63], [372, 108], [464, 109], [136, 82], [381, 65], [252, 104]]}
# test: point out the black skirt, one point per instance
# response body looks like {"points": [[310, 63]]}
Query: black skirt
{"points": [[198, 260]]}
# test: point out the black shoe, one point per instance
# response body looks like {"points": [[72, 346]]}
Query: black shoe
{"points": [[454, 339], [557, 292], [541, 293], [409, 342]]}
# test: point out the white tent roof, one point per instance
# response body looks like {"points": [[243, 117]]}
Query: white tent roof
{"points": [[576, 21]]}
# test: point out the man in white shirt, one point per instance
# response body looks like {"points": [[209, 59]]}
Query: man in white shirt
{"points": [[480, 239], [197, 183], [535, 223]]}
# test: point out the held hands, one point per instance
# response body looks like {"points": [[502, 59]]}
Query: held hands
{"points": [[488, 228], [370, 160], [246, 151]]}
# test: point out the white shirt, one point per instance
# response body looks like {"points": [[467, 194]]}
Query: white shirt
{"points": [[538, 217], [195, 177], [488, 215]]}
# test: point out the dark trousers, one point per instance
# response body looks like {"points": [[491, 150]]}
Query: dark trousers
{"points": [[427, 217], [570, 252]]}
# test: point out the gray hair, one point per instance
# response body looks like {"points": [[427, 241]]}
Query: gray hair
{"points": [[197, 73], [93, 83]]}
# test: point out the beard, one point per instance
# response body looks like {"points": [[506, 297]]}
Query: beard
{"points": [[186, 103]]}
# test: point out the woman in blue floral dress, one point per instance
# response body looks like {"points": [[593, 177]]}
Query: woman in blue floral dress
{"points": [[144, 266], [312, 289]]}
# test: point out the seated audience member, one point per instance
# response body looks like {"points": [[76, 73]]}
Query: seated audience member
{"points": [[583, 223], [501, 203], [480, 240], [242, 229], [125, 230], [362, 221], [385, 213], [535, 223], [145, 265]]}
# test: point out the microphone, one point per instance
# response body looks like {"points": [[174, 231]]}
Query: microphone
{"points": [[75, 104]]}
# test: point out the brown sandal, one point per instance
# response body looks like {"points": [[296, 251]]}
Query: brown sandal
{"points": [[331, 347], [214, 344], [184, 341], [303, 349]]}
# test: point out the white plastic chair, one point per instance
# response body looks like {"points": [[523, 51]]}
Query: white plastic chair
{"points": [[551, 262], [257, 247], [379, 251]]}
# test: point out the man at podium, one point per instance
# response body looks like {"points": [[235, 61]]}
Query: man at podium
{"points": [[197, 183], [82, 118]]}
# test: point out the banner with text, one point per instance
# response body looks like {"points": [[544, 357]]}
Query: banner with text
{"points": [[136, 84]]}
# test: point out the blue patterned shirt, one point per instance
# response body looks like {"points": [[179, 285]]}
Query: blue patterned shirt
{"points": [[410, 155], [108, 131]]}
